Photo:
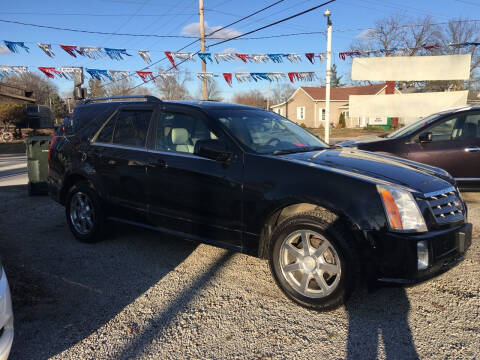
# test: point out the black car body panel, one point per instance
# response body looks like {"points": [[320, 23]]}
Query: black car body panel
{"points": [[232, 202]]}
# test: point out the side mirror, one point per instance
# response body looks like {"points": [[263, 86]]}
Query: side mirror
{"points": [[213, 149], [425, 137]]}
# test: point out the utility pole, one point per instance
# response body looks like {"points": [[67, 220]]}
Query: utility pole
{"points": [[202, 44], [328, 74], [268, 97]]}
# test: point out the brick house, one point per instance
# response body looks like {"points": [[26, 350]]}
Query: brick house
{"points": [[307, 105]]}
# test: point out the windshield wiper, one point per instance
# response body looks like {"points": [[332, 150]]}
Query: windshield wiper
{"points": [[292, 151]]}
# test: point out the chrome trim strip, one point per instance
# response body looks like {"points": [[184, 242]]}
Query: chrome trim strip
{"points": [[467, 179], [117, 146], [144, 149], [439, 192]]}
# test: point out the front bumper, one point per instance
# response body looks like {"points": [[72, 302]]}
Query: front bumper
{"points": [[396, 254], [6, 319]]}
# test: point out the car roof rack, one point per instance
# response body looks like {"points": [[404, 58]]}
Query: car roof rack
{"points": [[147, 98]]}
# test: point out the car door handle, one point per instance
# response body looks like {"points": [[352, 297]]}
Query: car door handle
{"points": [[158, 163], [475, 149]]}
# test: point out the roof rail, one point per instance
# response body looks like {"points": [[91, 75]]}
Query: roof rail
{"points": [[148, 98]]}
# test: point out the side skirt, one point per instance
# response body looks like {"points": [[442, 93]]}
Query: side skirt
{"points": [[179, 234]]}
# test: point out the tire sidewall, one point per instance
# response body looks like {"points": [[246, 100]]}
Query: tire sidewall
{"points": [[345, 285], [98, 226]]}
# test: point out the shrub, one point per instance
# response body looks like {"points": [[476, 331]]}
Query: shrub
{"points": [[341, 121], [13, 114]]}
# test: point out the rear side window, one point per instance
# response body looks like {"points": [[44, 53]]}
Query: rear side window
{"points": [[131, 128], [105, 135]]}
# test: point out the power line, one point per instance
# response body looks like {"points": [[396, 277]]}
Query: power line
{"points": [[90, 14], [250, 32], [274, 23], [213, 32]]}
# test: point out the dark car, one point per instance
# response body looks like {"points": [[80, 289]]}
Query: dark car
{"points": [[448, 139], [250, 180]]}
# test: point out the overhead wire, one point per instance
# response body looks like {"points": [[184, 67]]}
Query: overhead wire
{"points": [[250, 32]]}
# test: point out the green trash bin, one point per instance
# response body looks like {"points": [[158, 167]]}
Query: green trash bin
{"points": [[37, 164]]}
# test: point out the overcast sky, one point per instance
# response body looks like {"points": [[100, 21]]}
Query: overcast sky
{"points": [[351, 18]]}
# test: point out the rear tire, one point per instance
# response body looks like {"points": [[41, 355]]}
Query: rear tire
{"points": [[85, 214], [312, 259]]}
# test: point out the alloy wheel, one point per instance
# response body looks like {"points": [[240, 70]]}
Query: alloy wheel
{"points": [[82, 213]]}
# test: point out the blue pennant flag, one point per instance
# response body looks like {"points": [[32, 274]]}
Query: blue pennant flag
{"points": [[260, 76], [276, 58], [116, 54], [99, 74], [205, 56], [14, 46]]}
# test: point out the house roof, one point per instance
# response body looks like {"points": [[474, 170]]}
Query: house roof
{"points": [[318, 93], [17, 97]]}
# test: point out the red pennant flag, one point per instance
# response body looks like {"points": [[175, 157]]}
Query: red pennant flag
{"points": [[48, 71], [310, 57], [243, 57], [292, 76], [170, 57], [228, 78], [145, 75], [70, 49]]}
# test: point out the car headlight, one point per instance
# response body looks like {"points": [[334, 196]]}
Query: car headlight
{"points": [[401, 209]]}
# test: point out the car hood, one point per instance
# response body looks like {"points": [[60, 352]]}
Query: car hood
{"points": [[361, 140], [376, 168]]}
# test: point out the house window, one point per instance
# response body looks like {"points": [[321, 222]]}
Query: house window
{"points": [[301, 113], [279, 111], [323, 115]]}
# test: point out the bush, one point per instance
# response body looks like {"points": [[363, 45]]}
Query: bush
{"points": [[341, 121], [13, 114]]}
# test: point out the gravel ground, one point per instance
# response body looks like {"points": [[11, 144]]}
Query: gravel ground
{"points": [[140, 294]]}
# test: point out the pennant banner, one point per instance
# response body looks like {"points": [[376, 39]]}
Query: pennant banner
{"points": [[119, 74], [91, 52], [116, 54], [146, 75], [224, 57], [99, 74], [206, 75], [14, 46], [145, 55], [228, 78], [8, 69], [165, 75], [47, 49]]}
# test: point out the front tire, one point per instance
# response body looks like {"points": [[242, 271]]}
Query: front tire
{"points": [[312, 260], [84, 211]]}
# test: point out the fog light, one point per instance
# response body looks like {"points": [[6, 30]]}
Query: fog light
{"points": [[422, 255]]}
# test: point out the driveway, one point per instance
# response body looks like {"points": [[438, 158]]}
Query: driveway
{"points": [[140, 294]]}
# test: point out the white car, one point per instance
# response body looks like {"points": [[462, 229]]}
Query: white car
{"points": [[6, 317]]}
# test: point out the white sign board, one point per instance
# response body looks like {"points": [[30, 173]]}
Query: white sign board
{"points": [[412, 68], [405, 105]]}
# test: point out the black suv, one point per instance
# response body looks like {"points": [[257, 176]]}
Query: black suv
{"points": [[250, 180]]}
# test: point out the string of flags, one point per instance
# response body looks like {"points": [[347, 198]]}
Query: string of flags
{"points": [[117, 75], [429, 47]]}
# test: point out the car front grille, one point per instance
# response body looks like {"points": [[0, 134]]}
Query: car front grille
{"points": [[446, 205]]}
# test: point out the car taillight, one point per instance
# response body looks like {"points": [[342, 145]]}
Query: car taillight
{"points": [[50, 148]]}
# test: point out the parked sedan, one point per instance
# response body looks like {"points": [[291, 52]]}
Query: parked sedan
{"points": [[449, 140]]}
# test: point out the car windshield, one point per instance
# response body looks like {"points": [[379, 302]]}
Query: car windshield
{"points": [[413, 127], [265, 132]]}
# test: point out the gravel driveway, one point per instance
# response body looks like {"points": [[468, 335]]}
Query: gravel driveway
{"points": [[140, 294]]}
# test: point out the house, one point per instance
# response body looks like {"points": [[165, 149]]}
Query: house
{"points": [[307, 105], [16, 95]]}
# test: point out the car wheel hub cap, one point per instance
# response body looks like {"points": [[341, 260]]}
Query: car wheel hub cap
{"points": [[310, 264], [82, 214]]}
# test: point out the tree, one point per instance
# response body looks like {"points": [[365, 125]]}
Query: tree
{"points": [[95, 88], [335, 80], [281, 92], [121, 87], [59, 107], [213, 90], [42, 88], [174, 87], [252, 98], [341, 120]]}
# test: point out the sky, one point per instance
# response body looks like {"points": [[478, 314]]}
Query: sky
{"points": [[351, 18]]}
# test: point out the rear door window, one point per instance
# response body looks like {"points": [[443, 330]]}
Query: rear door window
{"points": [[131, 127], [470, 128]]}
